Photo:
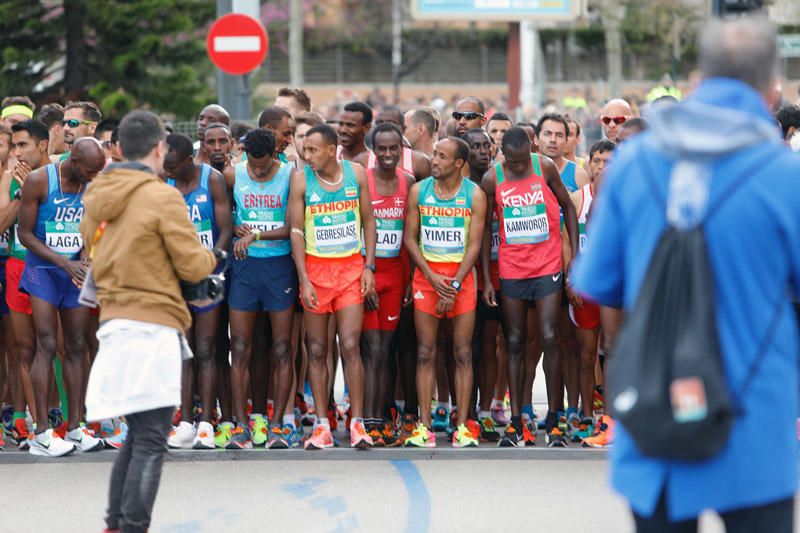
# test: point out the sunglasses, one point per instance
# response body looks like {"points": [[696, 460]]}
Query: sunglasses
{"points": [[468, 115], [74, 122], [617, 120]]}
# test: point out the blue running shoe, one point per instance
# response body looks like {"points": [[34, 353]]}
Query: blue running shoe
{"points": [[441, 419], [8, 419], [292, 436]]}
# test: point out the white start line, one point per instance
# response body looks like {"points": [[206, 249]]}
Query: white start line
{"points": [[237, 44]]}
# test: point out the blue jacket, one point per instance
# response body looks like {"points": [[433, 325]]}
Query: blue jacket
{"points": [[754, 248]]}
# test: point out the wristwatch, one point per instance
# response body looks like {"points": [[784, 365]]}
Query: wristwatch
{"points": [[17, 194], [371, 268], [456, 285]]}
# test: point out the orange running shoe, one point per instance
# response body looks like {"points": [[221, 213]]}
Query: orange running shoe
{"points": [[604, 437], [321, 439], [528, 436], [358, 436], [474, 428]]}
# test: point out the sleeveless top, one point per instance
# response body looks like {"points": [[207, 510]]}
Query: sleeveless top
{"points": [[444, 224], [333, 219], [530, 237], [15, 246], [58, 220], [262, 206], [390, 214], [568, 176], [200, 206]]}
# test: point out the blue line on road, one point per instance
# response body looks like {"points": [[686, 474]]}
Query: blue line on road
{"points": [[419, 501]]}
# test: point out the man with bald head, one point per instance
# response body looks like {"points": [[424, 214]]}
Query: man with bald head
{"points": [[614, 114], [52, 208], [210, 114]]}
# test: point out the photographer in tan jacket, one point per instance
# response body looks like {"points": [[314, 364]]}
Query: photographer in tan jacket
{"points": [[142, 245]]}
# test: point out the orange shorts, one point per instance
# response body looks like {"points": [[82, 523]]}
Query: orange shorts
{"points": [[17, 300], [337, 282], [426, 299]]}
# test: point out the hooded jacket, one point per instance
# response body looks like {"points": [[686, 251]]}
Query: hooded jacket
{"points": [[715, 159], [148, 245]]}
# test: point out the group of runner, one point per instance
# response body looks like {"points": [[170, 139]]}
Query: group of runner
{"points": [[433, 268]]}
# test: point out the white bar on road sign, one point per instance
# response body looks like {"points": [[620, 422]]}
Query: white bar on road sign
{"points": [[237, 44]]}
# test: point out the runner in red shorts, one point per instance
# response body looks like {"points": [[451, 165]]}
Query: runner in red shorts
{"points": [[328, 202], [388, 188], [585, 314], [444, 229]]}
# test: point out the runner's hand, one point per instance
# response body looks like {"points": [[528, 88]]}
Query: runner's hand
{"points": [[371, 301], [21, 171], [242, 231], [367, 282], [241, 246], [445, 305], [442, 286], [489, 296], [76, 271], [308, 295], [574, 298], [409, 295]]}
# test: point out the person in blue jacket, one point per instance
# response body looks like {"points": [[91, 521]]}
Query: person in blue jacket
{"points": [[718, 152]]}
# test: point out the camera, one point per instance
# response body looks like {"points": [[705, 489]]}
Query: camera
{"points": [[208, 291]]}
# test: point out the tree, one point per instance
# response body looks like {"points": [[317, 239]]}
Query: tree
{"points": [[147, 53]]}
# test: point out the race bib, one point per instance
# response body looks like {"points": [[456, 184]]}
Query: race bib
{"points": [[4, 242], [526, 224], [443, 235], [581, 237], [63, 237], [336, 232], [390, 237], [264, 221]]}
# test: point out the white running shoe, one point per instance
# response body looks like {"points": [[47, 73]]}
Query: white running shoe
{"points": [[49, 445], [205, 437], [181, 436], [84, 441]]}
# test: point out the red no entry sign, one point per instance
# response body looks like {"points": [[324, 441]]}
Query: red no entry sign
{"points": [[237, 43]]}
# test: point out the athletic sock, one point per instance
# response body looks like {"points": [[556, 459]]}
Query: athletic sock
{"points": [[17, 414], [288, 419], [323, 422], [446, 405], [496, 403], [516, 422], [484, 414], [254, 415], [551, 421], [401, 405]]}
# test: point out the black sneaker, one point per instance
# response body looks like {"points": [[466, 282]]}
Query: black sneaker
{"points": [[511, 438], [489, 432], [555, 438]]}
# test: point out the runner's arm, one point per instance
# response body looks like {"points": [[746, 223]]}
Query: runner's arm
{"points": [[475, 238], [10, 209], [550, 173], [222, 210], [488, 184], [581, 177], [295, 212], [411, 237], [421, 164], [367, 216], [33, 191]]}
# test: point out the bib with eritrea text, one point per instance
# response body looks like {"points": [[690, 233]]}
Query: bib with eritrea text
{"points": [[524, 213], [200, 206], [444, 224], [333, 219], [262, 206]]}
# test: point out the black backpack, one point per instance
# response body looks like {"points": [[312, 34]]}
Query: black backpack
{"points": [[666, 381]]}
